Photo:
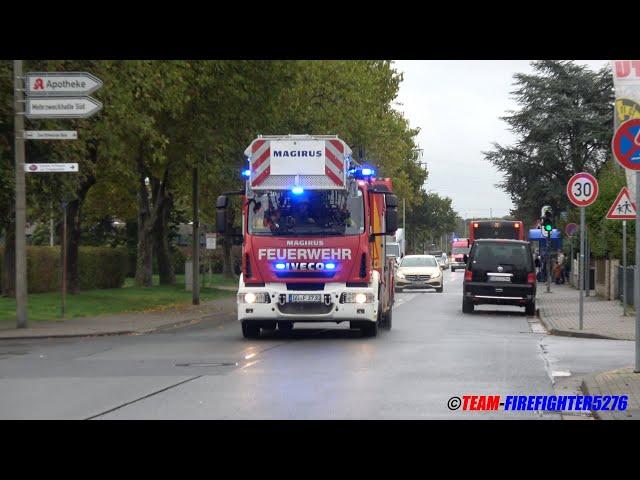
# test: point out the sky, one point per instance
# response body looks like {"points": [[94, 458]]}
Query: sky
{"points": [[457, 104]]}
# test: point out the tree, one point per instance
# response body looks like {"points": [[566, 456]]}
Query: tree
{"points": [[431, 217], [564, 126]]}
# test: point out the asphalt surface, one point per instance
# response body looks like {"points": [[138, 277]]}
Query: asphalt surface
{"points": [[208, 371]]}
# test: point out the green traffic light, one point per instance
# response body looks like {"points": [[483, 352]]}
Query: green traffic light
{"points": [[548, 228]]}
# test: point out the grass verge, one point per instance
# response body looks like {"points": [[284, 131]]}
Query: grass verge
{"points": [[46, 306]]}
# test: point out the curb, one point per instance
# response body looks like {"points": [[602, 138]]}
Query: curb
{"points": [[169, 326], [571, 333], [585, 390]]}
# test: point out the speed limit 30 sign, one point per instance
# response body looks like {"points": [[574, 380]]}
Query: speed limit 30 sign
{"points": [[582, 189]]}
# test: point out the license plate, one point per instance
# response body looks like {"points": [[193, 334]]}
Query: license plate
{"points": [[499, 279], [305, 298]]}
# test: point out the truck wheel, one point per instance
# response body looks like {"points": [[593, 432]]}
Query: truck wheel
{"points": [[285, 326], [387, 320], [250, 330], [369, 329], [453, 269], [530, 309], [467, 306]]}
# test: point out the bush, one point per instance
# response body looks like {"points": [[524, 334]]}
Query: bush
{"points": [[43, 269], [102, 267], [98, 267]]}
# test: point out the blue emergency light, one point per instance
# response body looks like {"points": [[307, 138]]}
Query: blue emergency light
{"points": [[330, 266], [280, 266], [362, 172], [297, 190], [246, 173]]}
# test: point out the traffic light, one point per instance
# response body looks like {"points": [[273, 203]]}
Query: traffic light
{"points": [[547, 224]]}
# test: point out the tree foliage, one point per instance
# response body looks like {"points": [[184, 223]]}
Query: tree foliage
{"points": [[564, 126]]}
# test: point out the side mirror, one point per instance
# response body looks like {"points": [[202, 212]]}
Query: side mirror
{"points": [[221, 214], [391, 215]]}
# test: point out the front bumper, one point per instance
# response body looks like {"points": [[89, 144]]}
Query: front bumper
{"points": [[458, 265], [331, 311]]}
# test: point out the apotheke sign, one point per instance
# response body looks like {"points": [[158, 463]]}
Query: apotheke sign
{"points": [[43, 84]]}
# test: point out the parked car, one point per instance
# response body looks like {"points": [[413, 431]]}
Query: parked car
{"points": [[419, 271], [499, 272]]}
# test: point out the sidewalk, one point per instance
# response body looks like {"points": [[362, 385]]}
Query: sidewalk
{"points": [[125, 323], [616, 382], [559, 312]]}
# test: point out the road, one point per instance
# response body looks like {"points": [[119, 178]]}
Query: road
{"points": [[208, 371]]}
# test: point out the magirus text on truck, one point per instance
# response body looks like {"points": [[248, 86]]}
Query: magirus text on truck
{"points": [[314, 227]]}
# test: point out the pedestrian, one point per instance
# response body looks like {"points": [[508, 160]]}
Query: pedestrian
{"points": [[560, 266], [557, 273]]}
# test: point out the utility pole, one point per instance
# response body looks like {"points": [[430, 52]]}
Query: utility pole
{"points": [[51, 225], [21, 211], [64, 259], [624, 267], [404, 218], [196, 240]]}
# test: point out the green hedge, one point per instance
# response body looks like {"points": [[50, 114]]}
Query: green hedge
{"points": [[98, 267], [102, 267]]}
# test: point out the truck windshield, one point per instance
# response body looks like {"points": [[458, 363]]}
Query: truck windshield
{"points": [[314, 212], [460, 250]]}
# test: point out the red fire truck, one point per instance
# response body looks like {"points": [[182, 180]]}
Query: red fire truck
{"points": [[478, 229], [314, 226]]}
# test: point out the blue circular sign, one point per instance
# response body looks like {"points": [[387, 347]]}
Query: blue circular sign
{"points": [[626, 144]]}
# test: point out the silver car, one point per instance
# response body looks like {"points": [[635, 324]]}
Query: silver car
{"points": [[419, 271]]}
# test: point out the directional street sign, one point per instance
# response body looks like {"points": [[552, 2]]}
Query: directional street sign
{"points": [[61, 107], [45, 84], [50, 167], [626, 144], [623, 208], [582, 189], [570, 229], [51, 135]]}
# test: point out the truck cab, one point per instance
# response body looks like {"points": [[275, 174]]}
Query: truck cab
{"points": [[314, 227]]}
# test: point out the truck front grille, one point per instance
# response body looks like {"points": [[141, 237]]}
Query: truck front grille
{"points": [[305, 308]]}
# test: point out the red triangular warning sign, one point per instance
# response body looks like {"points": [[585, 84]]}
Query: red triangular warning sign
{"points": [[623, 208]]}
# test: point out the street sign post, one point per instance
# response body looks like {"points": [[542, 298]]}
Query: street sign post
{"points": [[626, 150], [622, 208], [61, 107], [211, 241], [570, 229], [50, 167], [51, 135], [45, 84], [582, 191]]}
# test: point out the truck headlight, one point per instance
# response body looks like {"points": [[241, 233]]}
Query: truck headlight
{"points": [[359, 297], [252, 297]]}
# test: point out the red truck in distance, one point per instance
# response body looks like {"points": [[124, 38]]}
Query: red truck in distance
{"points": [[512, 230]]}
